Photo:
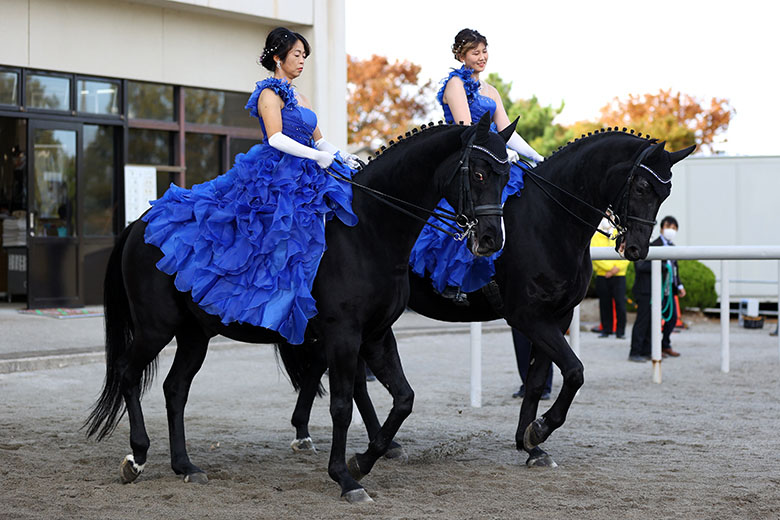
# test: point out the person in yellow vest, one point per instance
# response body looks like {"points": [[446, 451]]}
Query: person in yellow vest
{"points": [[610, 285]]}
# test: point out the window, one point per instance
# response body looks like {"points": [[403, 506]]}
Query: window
{"points": [[49, 92], [203, 158], [9, 87], [150, 101], [98, 97], [98, 180], [152, 147], [214, 107]]}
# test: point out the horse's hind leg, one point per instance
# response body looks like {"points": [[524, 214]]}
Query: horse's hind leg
{"points": [[382, 357], [142, 353], [302, 412], [192, 344]]}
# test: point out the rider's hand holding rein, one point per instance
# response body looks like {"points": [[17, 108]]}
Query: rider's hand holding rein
{"points": [[270, 107]]}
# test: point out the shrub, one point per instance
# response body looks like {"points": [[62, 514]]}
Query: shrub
{"points": [[698, 279]]}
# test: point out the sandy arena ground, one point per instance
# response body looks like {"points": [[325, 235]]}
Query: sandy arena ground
{"points": [[701, 445]]}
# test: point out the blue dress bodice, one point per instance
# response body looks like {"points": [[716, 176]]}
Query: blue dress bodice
{"points": [[298, 122], [478, 104]]}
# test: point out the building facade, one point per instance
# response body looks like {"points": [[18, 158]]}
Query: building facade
{"points": [[90, 89]]}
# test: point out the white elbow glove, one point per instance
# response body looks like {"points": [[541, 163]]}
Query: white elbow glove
{"points": [[287, 145], [350, 159], [519, 145], [512, 155]]}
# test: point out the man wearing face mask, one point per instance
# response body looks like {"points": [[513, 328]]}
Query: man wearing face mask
{"points": [[610, 285], [640, 336]]}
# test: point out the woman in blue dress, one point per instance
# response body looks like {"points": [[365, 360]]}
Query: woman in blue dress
{"points": [[248, 243], [449, 264]]}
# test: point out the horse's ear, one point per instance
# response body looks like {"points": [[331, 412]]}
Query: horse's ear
{"points": [[483, 127], [679, 155], [507, 132], [657, 149]]}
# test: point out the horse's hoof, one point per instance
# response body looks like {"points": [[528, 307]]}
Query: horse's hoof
{"points": [[196, 478], [129, 470], [533, 435], [354, 468], [397, 453], [357, 496], [305, 445], [540, 460]]}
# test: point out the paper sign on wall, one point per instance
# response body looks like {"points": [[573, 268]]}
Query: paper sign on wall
{"points": [[140, 188]]}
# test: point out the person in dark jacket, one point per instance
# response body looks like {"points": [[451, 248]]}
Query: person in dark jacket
{"points": [[640, 336]]}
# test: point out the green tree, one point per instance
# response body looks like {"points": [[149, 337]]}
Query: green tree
{"points": [[536, 121]]}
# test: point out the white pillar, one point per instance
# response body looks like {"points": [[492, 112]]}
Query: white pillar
{"points": [[330, 83], [574, 331], [476, 364], [655, 318], [725, 315]]}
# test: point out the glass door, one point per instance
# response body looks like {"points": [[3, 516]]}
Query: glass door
{"points": [[53, 243]]}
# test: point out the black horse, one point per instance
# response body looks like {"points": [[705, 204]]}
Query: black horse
{"points": [[361, 288], [541, 276]]}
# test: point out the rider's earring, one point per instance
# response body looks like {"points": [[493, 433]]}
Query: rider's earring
{"points": [[278, 64]]}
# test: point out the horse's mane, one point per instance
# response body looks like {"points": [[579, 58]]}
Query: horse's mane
{"points": [[598, 135], [412, 135]]}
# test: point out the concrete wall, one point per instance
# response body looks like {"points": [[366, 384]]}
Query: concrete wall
{"points": [[729, 201], [201, 43]]}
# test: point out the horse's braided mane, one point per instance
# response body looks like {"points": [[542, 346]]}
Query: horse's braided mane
{"points": [[602, 131], [409, 136]]}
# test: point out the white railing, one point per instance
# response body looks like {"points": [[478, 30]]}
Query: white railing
{"points": [[722, 253]]}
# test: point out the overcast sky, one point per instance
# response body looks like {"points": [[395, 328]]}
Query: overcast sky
{"points": [[586, 53]]}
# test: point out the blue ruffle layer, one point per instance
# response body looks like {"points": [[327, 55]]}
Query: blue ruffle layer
{"points": [[248, 243], [470, 85], [447, 262]]}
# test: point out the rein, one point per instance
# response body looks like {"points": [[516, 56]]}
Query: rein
{"points": [[460, 218], [613, 217]]}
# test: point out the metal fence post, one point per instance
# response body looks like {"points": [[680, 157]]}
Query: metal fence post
{"points": [[778, 307], [655, 318], [725, 316], [574, 331], [476, 364]]}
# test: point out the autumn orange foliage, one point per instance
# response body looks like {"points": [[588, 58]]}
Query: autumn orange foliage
{"points": [[383, 98], [679, 119]]}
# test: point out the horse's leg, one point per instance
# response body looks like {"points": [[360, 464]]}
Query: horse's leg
{"points": [[368, 413], [534, 387], [549, 342], [192, 344], [302, 412], [142, 352], [342, 349], [382, 357]]}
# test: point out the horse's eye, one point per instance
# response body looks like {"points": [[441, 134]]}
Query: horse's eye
{"points": [[479, 176]]}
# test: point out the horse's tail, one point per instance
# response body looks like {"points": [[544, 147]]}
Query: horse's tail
{"points": [[106, 414], [299, 362]]}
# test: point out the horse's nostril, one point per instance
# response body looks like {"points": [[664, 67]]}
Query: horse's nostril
{"points": [[488, 242]]}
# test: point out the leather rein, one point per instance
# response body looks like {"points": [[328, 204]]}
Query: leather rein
{"points": [[463, 225], [623, 196]]}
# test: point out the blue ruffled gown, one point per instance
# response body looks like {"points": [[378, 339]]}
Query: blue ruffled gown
{"points": [[444, 260], [248, 243]]}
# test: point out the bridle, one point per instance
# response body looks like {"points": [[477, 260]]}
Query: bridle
{"points": [[623, 198], [459, 222]]}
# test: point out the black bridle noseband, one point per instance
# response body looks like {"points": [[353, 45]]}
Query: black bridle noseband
{"points": [[460, 218], [623, 196]]}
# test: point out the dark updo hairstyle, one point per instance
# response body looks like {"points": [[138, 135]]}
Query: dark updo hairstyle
{"points": [[278, 43], [466, 40]]}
